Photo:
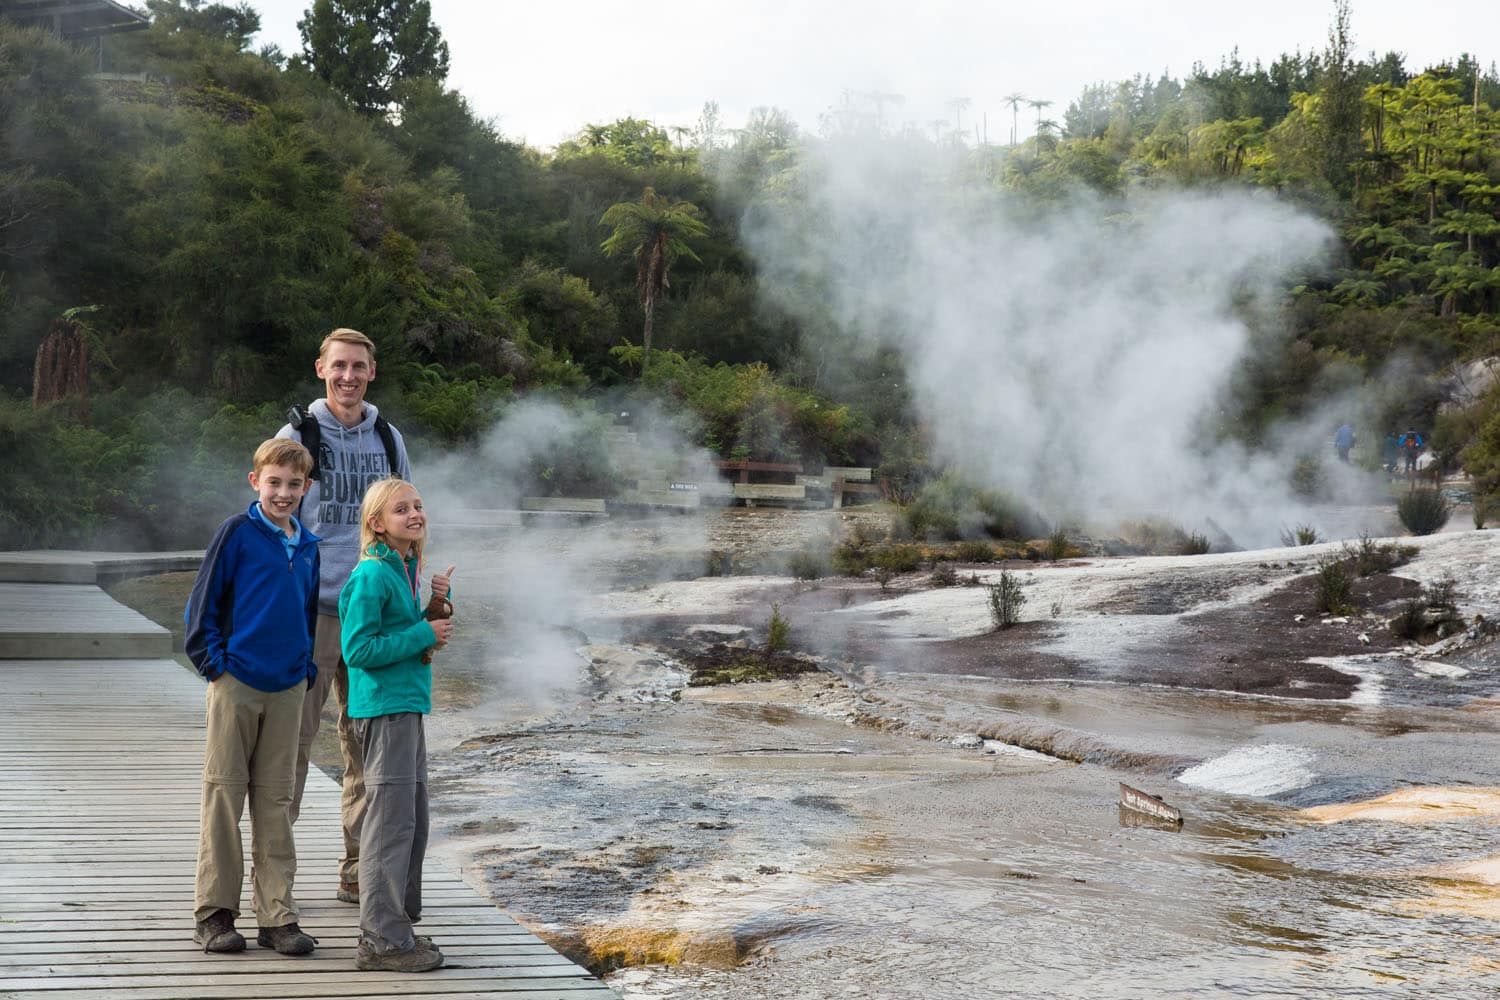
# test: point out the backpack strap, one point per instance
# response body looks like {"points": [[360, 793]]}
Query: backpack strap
{"points": [[311, 433], [388, 438]]}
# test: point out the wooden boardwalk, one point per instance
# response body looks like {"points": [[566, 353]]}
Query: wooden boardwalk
{"points": [[100, 768]]}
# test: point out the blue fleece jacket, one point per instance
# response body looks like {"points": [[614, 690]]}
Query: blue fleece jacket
{"points": [[254, 607]]}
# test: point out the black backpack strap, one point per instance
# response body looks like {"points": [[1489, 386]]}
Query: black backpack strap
{"points": [[307, 428], [388, 438]]}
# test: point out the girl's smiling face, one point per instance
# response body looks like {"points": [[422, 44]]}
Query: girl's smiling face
{"points": [[403, 520]]}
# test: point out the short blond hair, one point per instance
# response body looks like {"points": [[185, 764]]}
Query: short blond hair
{"points": [[377, 499], [344, 335], [283, 451]]}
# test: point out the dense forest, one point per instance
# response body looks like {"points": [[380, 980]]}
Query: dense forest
{"points": [[178, 232]]}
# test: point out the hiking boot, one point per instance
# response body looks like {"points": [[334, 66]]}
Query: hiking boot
{"points": [[287, 939], [423, 941], [348, 892], [217, 935], [417, 959]]}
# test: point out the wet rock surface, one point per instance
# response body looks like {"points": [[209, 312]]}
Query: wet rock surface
{"points": [[877, 828]]}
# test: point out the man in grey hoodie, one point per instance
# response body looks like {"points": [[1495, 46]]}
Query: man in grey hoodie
{"points": [[351, 454]]}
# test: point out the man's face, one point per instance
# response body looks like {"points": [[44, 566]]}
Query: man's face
{"points": [[346, 371]]}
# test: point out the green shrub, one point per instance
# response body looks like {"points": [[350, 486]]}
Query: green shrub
{"points": [[1302, 534], [1308, 479], [1480, 511], [1423, 511], [1370, 557], [851, 558], [948, 508], [1057, 545], [808, 564], [943, 575], [898, 558], [1333, 585], [975, 551], [1005, 600], [1411, 620], [778, 632], [1193, 544]]}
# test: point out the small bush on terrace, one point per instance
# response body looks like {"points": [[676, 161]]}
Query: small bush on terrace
{"points": [[1370, 557], [1302, 534], [944, 575], [1333, 585], [1057, 545], [949, 509], [1411, 620], [1006, 600], [975, 551], [898, 558], [1194, 544], [778, 632], [808, 564], [1423, 511]]}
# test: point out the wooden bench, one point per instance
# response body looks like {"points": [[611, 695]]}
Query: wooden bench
{"points": [[562, 505], [779, 492]]}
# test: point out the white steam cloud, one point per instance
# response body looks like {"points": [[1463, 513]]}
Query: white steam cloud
{"points": [[523, 588], [1073, 355]]}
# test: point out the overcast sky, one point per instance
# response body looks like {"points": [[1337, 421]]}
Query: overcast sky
{"points": [[543, 69]]}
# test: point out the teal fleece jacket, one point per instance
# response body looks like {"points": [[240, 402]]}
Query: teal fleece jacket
{"points": [[384, 636]]}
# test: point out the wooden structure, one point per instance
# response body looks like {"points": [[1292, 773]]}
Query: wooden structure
{"points": [[100, 761], [1138, 808], [74, 19]]}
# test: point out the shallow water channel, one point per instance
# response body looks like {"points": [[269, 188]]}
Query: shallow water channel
{"points": [[888, 828]]}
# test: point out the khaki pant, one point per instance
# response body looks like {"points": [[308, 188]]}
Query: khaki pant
{"points": [[332, 674], [251, 748]]}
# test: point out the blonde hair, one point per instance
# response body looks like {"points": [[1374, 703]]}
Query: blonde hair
{"points": [[344, 335], [377, 499], [282, 451]]}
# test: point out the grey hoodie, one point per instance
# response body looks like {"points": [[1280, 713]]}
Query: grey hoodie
{"points": [[356, 457]]}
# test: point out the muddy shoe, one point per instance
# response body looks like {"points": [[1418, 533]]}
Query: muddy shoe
{"points": [[287, 939], [417, 959], [423, 941], [348, 892], [217, 934]]}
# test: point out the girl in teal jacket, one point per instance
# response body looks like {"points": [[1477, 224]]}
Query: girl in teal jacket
{"points": [[390, 689]]}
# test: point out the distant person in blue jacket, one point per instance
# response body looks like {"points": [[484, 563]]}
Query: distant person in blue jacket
{"points": [[1411, 449], [1343, 440], [250, 621]]}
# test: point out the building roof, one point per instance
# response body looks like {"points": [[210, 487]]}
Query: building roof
{"points": [[75, 18]]}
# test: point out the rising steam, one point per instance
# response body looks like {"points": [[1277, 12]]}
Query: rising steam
{"points": [[1075, 355]]}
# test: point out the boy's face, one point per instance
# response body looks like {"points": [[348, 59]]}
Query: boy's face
{"points": [[346, 370], [280, 488]]}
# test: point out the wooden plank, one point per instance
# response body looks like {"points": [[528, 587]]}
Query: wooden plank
{"points": [[849, 474], [769, 491], [563, 505]]}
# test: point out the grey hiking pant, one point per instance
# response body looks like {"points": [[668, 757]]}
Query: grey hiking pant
{"points": [[393, 837]]}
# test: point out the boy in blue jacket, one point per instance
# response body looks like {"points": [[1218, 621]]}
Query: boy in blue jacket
{"points": [[249, 632]]}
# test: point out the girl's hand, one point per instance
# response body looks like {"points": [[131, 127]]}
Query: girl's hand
{"points": [[442, 581], [443, 629]]}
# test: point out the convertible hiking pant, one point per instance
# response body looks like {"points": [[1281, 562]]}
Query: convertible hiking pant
{"points": [[251, 749], [393, 840], [332, 674]]}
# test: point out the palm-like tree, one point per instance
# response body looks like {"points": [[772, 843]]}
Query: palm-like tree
{"points": [[1015, 101], [655, 231]]}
